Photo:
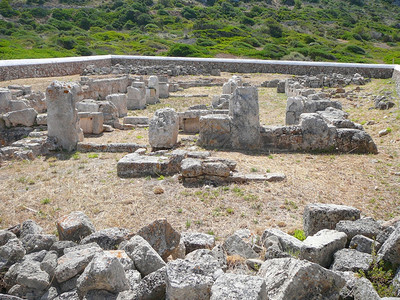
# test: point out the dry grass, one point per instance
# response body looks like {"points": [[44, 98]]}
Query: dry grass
{"points": [[50, 187]]}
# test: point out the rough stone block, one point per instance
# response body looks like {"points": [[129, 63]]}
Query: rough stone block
{"points": [[215, 131], [91, 123], [245, 125], [120, 101], [364, 244], [135, 165], [234, 245], [292, 279], [289, 243], [25, 117], [146, 259], [62, 117], [74, 227], [320, 247], [136, 97], [196, 240], [185, 281], [161, 236], [104, 272], [351, 260], [233, 286], [390, 250], [163, 129], [366, 226], [319, 216]]}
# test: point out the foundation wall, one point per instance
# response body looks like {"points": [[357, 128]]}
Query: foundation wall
{"points": [[51, 67]]}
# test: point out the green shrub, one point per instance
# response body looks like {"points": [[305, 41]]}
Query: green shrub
{"points": [[66, 42], [83, 51], [183, 50], [355, 49], [299, 234]]}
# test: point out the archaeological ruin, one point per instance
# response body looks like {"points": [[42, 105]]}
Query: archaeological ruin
{"points": [[193, 143]]}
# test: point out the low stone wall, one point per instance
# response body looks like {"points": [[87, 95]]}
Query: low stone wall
{"points": [[29, 68], [49, 67]]}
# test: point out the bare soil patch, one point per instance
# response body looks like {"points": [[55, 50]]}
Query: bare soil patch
{"points": [[49, 187]]}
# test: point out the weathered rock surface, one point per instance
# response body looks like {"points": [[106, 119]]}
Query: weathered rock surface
{"points": [[74, 226], [320, 247], [190, 280], [366, 226], [290, 278], [73, 263], [104, 272], [232, 286], [108, 238], [197, 240], [163, 129], [161, 236], [234, 245], [146, 259], [319, 216], [390, 250], [364, 244], [351, 260]]}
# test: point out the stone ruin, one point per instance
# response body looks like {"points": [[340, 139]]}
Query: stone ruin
{"points": [[69, 109], [158, 262], [315, 123], [167, 70]]}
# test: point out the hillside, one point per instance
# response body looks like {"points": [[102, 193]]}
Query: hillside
{"points": [[366, 31]]}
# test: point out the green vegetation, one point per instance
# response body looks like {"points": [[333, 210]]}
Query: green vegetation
{"points": [[320, 30], [299, 234]]}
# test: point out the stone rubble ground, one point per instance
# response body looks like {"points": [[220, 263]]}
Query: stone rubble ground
{"points": [[157, 262]]}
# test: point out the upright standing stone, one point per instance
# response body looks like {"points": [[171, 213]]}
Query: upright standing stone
{"points": [[5, 100], [136, 96], [163, 86], [163, 129], [153, 90], [120, 101], [244, 111], [62, 116]]}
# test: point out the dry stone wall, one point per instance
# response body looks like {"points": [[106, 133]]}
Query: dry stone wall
{"points": [[29, 68]]}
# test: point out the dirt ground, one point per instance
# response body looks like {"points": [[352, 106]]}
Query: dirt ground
{"points": [[52, 186]]}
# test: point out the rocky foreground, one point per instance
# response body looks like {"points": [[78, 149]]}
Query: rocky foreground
{"points": [[158, 262]]}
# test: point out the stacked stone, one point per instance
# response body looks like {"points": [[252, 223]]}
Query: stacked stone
{"points": [[158, 262]]}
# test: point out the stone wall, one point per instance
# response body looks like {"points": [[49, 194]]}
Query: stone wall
{"points": [[29, 68], [49, 67], [396, 78]]}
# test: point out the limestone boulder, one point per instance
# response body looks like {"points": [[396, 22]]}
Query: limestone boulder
{"points": [[191, 280], [146, 259], [234, 245], [161, 236], [320, 247], [74, 262], [38, 242], [366, 226], [351, 260], [104, 272], [288, 243], [390, 249], [290, 278], [120, 102], [62, 116], [108, 238], [319, 216], [163, 129], [196, 240], [10, 252], [364, 244], [232, 286], [74, 227], [24, 117]]}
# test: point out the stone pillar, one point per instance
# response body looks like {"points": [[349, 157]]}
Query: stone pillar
{"points": [[153, 90], [136, 96], [244, 112], [163, 129], [62, 116], [5, 100], [120, 101]]}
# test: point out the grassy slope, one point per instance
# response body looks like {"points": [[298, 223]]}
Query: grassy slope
{"points": [[325, 31]]}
